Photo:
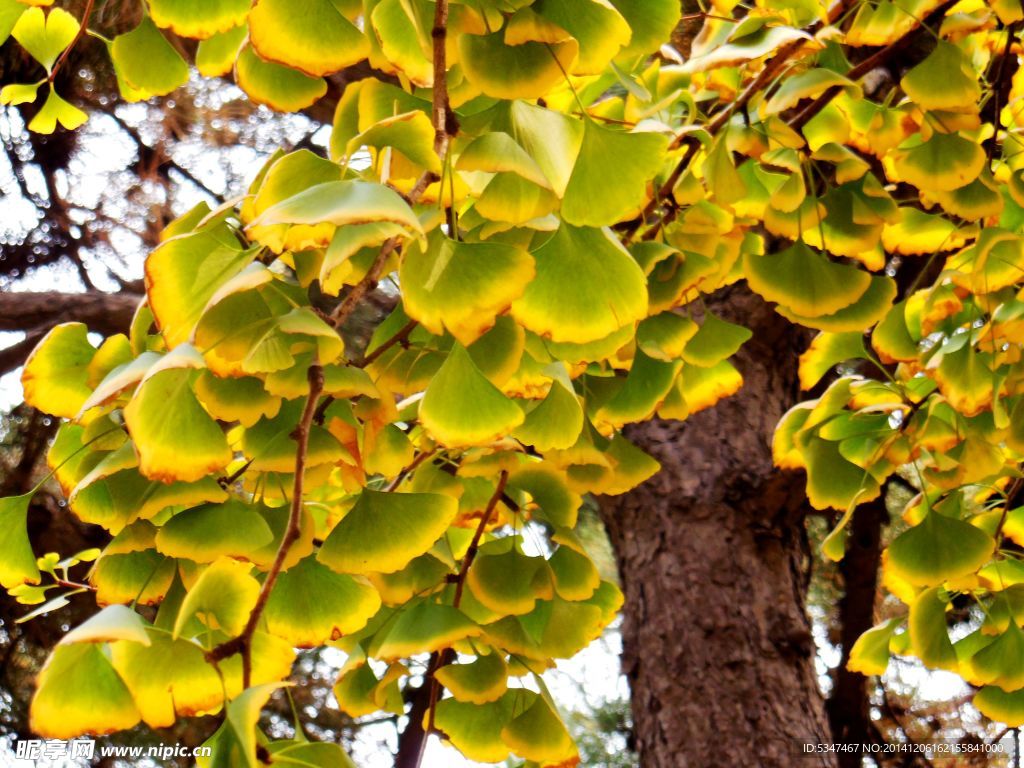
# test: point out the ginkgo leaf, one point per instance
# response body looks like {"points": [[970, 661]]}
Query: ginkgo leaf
{"points": [[176, 439], [555, 423], [480, 681], [942, 163], [215, 56], [506, 580], [17, 562], [715, 341], [476, 729], [651, 23], [998, 662], [498, 152], [826, 351], [587, 287], [45, 35], [1000, 706], [206, 533], [55, 378], [926, 627], [524, 71], [236, 399], [424, 628], [401, 38], [462, 408], [805, 281], [148, 61], [589, 200], [743, 47], [78, 691], [115, 622], [939, 548], [384, 531], [539, 734], [599, 29], [200, 19], [342, 203], [311, 604], [221, 598], [462, 287], [277, 86], [235, 741], [10, 12], [143, 577], [944, 80], [317, 41], [870, 654], [870, 308], [57, 110]]}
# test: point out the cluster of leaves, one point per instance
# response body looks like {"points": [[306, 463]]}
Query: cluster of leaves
{"points": [[551, 203]]}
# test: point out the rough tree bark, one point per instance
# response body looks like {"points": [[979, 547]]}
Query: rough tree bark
{"points": [[714, 562]]}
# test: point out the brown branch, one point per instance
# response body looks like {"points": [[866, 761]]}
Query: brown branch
{"points": [[474, 545], [13, 356], [86, 13], [243, 643], [105, 313], [874, 61]]}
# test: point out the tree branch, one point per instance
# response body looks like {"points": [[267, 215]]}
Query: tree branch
{"points": [[243, 643], [105, 313]]}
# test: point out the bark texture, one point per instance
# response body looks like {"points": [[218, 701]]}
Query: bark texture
{"points": [[714, 562]]}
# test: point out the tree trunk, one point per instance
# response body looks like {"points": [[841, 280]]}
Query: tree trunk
{"points": [[714, 563]]}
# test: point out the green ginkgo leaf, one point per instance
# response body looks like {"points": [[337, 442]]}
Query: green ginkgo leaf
{"points": [[462, 408], [55, 378], [424, 628], [206, 533], [142, 577], [506, 580], [715, 341], [342, 203], [215, 56], [926, 627], [17, 562], [317, 41], [826, 351], [805, 281], [497, 152], [221, 598], [555, 423], [312, 604], [383, 532], [599, 28], [480, 681], [942, 163], [589, 199], [587, 287], [78, 691], [475, 729], [944, 80], [525, 71], [462, 287], [539, 734], [651, 22], [1000, 706], [870, 654], [45, 35], [939, 548], [275, 85], [200, 19], [148, 61], [115, 622], [998, 663], [869, 309]]}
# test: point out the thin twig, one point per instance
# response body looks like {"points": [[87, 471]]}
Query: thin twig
{"points": [[86, 13], [243, 643], [474, 545]]}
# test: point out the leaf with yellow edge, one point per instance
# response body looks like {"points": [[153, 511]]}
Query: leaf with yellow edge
{"points": [[462, 287], [555, 423], [383, 532], [715, 341], [863, 313], [701, 387], [826, 351], [589, 199], [311, 604], [475, 729], [236, 399], [55, 378], [504, 579], [576, 576], [926, 627], [966, 379], [185, 272], [17, 562], [317, 41], [147, 61], [221, 598], [557, 503], [199, 19], [644, 389], [274, 85], [525, 71], [423, 628], [342, 203], [998, 663], [234, 744], [870, 654], [597, 26], [215, 56], [45, 35], [892, 339], [805, 281], [497, 152], [942, 163], [918, 233], [1000, 706], [206, 533], [401, 40], [939, 548], [462, 408], [651, 22], [115, 622], [587, 287], [167, 678], [539, 734], [140, 576], [480, 681], [78, 691], [176, 439], [945, 80], [832, 481]]}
